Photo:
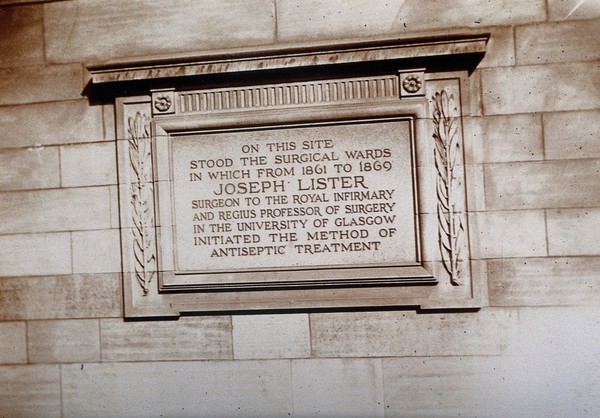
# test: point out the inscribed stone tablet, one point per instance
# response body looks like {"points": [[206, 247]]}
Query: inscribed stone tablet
{"points": [[328, 196]]}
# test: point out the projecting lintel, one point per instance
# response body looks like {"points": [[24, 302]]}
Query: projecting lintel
{"points": [[469, 49]]}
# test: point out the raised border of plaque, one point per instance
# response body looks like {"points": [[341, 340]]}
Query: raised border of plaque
{"points": [[167, 106]]}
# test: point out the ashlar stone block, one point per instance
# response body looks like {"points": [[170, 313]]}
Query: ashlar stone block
{"points": [[192, 338], [547, 281], [508, 234], [55, 210], [574, 231], [504, 138], [40, 84], [573, 332], [572, 135], [96, 251], [548, 385], [540, 88], [62, 296], [29, 168], [30, 391], [569, 41], [110, 29], [13, 346], [21, 36], [543, 184], [63, 341], [271, 336], [35, 254], [338, 387], [362, 18], [572, 9], [406, 333], [65, 122], [88, 164], [203, 388]]}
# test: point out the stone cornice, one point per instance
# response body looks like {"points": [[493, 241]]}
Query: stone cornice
{"points": [[294, 56]]}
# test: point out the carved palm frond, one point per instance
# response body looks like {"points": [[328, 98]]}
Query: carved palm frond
{"points": [[140, 155], [447, 155]]}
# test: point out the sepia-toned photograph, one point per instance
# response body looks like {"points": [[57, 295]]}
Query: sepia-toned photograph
{"points": [[299, 208]]}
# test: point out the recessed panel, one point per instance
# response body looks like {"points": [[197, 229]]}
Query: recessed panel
{"points": [[324, 196]]}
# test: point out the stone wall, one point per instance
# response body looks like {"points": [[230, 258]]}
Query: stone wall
{"points": [[533, 149]]}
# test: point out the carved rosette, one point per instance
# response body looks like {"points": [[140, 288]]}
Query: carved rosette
{"points": [[448, 159], [163, 102], [142, 195], [412, 83]]}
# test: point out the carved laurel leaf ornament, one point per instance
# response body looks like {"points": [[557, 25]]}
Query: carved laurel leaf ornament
{"points": [[448, 153], [140, 155]]}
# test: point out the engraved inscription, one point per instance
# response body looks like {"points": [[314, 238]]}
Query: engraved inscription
{"points": [[328, 196]]}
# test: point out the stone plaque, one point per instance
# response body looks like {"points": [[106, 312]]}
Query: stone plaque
{"points": [[294, 198], [338, 186]]}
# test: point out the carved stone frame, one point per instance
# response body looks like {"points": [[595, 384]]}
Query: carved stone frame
{"points": [[428, 94]]}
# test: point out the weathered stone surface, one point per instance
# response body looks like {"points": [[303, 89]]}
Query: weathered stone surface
{"points": [[54, 297], [282, 56], [30, 391], [574, 231], [110, 29], [114, 207], [565, 331], [382, 334], [572, 135], [31, 168], [336, 19], [204, 388], [13, 345], [337, 388], [55, 210], [497, 386], [519, 233], [96, 251], [88, 164], [298, 21], [500, 49], [471, 13], [552, 281], [18, 2], [271, 336], [50, 123], [503, 138], [108, 121], [40, 84], [558, 42], [192, 338], [572, 9], [21, 36], [547, 184], [476, 192], [35, 254], [475, 104], [540, 88], [63, 341]]}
